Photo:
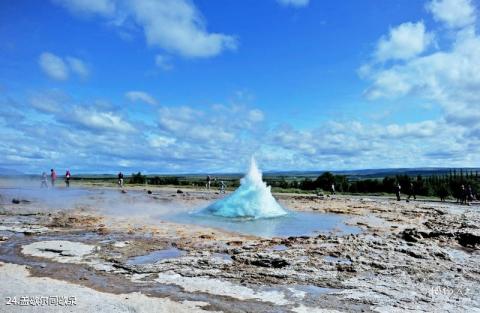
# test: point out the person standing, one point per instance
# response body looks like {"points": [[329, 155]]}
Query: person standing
{"points": [[222, 186], [333, 189], [53, 177], [44, 181], [209, 182], [397, 191], [411, 192], [67, 178], [120, 179]]}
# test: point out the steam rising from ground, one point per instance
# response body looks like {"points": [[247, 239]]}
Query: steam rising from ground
{"points": [[252, 199]]}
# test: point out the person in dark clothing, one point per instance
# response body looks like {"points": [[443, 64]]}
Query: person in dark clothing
{"points": [[67, 178], [411, 192], [209, 182], [397, 191], [120, 179]]}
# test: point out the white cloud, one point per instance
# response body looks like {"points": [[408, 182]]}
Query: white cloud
{"points": [[175, 26], [416, 130], [103, 7], [158, 141], [255, 115], [454, 13], [294, 3], [91, 118], [178, 27], [48, 102], [163, 62], [78, 67], [53, 66], [403, 42], [59, 68], [142, 96]]}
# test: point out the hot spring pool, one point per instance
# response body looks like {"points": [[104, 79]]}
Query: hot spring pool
{"points": [[292, 224]]}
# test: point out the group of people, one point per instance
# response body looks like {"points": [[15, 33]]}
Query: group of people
{"points": [[410, 192], [222, 185], [466, 194], [53, 179]]}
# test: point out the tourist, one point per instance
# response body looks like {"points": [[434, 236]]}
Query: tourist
{"points": [[463, 195], [209, 182], [397, 191], [67, 178], [333, 189], [44, 181], [222, 187], [411, 192], [120, 179], [469, 193], [53, 177]]}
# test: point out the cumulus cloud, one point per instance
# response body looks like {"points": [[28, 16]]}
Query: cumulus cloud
{"points": [[78, 67], [294, 3], [163, 62], [135, 96], [175, 26], [453, 13], [59, 68], [403, 42], [53, 66], [91, 118], [178, 27], [448, 76]]}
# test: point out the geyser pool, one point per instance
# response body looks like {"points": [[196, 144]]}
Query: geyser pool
{"points": [[253, 199], [252, 209], [292, 224]]}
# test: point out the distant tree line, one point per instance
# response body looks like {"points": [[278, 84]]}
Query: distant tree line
{"points": [[442, 185]]}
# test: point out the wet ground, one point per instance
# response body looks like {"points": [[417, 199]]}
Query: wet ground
{"points": [[131, 253]]}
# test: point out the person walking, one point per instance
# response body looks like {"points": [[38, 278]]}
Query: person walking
{"points": [[397, 191], [53, 177], [67, 179], [44, 181]]}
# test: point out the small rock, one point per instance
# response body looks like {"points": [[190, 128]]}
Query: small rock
{"points": [[102, 231], [124, 191], [270, 262], [179, 191], [149, 192]]}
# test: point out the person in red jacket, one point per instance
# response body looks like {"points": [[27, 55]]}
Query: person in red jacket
{"points": [[53, 177]]}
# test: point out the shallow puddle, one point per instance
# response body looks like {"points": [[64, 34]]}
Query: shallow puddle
{"points": [[336, 260], [156, 256]]}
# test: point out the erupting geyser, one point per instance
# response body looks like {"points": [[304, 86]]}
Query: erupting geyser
{"points": [[253, 199]]}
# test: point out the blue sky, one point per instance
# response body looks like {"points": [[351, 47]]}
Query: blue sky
{"points": [[200, 86]]}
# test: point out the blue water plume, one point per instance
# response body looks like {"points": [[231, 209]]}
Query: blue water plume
{"points": [[253, 199]]}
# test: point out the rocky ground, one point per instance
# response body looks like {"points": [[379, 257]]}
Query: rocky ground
{"points": [[416, 257]]}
